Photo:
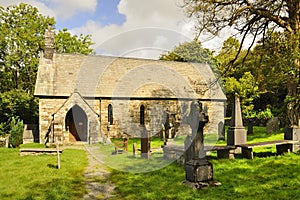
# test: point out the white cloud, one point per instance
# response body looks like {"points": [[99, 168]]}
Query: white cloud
{"points": [[68, 8], [151, 26], [62, 9]]}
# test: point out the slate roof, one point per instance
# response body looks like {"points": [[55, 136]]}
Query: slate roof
{"points": [[117, 77]]}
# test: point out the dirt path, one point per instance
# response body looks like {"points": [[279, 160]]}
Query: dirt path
{"points": [[97, 177]]}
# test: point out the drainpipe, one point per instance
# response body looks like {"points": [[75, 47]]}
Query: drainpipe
{"points": [[52, 130], [88, 131], [100, 123]]}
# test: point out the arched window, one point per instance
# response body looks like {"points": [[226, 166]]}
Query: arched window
{"points": [[142, 115], [110, 115]]}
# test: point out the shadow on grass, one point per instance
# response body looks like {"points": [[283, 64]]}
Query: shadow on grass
{"points": [[52, 166], [264, 154]]}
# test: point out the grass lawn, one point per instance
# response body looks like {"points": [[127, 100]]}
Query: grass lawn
{"points": [[37, 177], [264, 177], [260, 178]]}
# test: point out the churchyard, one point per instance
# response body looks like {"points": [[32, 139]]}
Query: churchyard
{"points": [[267, 176]]}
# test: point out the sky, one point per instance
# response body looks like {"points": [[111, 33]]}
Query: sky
{"points": [[126, 28]]}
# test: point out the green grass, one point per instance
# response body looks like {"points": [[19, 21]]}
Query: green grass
{"points": [[261, 178], [37, 177], [265, 177], [156, 142], [32, 145]]}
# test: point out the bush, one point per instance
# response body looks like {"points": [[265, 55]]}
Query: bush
{"points": [[16, 132], [18, 103], [2, 130]]}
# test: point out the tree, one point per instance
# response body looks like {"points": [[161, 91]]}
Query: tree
{"points": [[67, 43], [21, 39], [228, 53], [22, 31], [272, 61], [189, 52], [247, 89], [18, 103], [256, 18]]}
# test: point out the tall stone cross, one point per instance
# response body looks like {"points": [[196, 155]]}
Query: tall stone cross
{"points": [[199, 171], [197, 119]]}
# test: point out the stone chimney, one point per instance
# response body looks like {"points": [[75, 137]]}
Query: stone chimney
{"points": [[49, 43]]}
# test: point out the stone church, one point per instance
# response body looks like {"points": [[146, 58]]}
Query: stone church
{"points": [[89, 97]]}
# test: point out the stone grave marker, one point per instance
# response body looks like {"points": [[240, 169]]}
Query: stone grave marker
{"points": [[145, 143], [273, 125], [221, 131], [198, 170], [236, 133]]}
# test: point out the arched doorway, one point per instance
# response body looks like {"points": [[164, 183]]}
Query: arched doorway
{"points": [[76, 124]]}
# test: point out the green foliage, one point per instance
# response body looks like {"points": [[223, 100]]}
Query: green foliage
{"points": [[2, 129], [265, 114], [16, 132], [189, 52], [18, 103], [246, 88], [224, 58], [67, 43], [22, 31], [278, 61], [37, 177]]}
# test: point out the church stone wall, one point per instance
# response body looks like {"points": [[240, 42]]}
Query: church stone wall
{"points": [[60, 108], [126, 116]]}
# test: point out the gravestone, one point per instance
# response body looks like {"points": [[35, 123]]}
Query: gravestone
{"points": [[293, 133], [236, 133], [250, 127], [199, 171], [30, 133], [272, 125], [145, 143], [221, 131]]}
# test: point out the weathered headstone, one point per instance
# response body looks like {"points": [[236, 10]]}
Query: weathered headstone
{"points": [[293, 133], [145, 143], [236, 133], [272, 125], [250, 127], [221, 131], [199, 171], [30, 133]]}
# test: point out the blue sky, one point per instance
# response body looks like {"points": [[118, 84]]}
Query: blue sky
{"points": [[106, 13], [129, 28]]}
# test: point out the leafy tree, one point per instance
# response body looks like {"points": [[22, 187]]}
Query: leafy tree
{"points": [[21, 39], [189, 52], [18, 103], [228, 53], [256, 18], [247, 89], [67, 43], [22, 31]]}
